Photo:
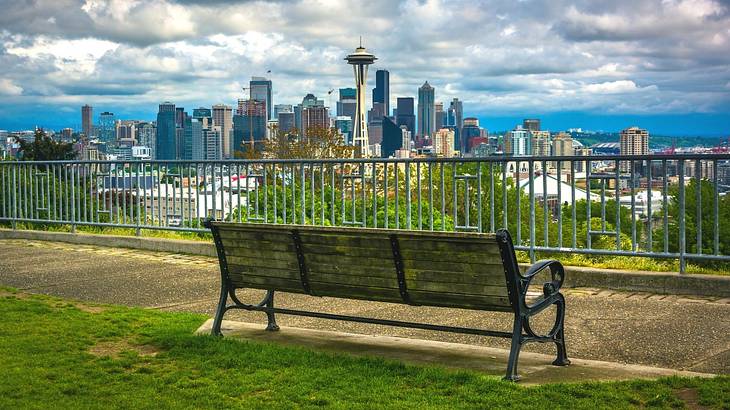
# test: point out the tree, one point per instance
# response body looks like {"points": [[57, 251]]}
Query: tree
{"points": [[44, 148], [319, 143]]}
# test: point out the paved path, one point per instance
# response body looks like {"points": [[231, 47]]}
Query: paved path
{"points": [[655, 330]]}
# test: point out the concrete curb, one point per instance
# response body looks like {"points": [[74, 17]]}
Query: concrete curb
{"points": [[635, 281]]}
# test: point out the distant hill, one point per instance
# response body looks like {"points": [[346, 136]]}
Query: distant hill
{"points": [[655, 141]]}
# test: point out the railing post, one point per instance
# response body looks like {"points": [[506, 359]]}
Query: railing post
{"points": [[73, 200], [682, 244]]}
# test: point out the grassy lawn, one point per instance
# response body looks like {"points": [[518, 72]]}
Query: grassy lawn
{"points": [[63, 354]]}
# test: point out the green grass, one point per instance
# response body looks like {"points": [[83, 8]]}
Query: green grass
{"points": [[46, 347]]}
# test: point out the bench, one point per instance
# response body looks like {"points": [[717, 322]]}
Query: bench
{"points": [[448, 269]]}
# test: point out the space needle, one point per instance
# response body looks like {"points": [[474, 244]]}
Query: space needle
{"points": [[360, 61]]}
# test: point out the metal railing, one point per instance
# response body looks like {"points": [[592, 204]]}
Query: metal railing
{"points": [[661, 206]]}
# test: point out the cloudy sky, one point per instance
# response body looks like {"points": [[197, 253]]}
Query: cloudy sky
{"points": [[661, 64]]}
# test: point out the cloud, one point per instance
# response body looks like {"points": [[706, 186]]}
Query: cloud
{"points": [[8, 88], [632, 56]]}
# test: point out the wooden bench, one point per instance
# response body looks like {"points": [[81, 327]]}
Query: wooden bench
{"points": [[449, 269]]}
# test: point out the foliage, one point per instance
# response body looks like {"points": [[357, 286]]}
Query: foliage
{"points": [[44, 148], [706, 221], [319, 143]]}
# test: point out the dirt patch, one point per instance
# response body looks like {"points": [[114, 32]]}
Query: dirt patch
{"points": [[90, 309], [690, 397], [115, 348]]}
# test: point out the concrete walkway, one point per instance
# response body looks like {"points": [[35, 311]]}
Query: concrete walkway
{"points": [[534, 368], [681, 333]]}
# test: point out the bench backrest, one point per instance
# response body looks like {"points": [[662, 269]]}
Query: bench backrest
{"points": [[422, 268]]}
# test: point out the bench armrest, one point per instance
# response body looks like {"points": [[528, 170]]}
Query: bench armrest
{"points": [[557, 273]]}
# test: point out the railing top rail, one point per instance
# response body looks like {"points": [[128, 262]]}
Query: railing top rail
{"points": [[652, 157]]}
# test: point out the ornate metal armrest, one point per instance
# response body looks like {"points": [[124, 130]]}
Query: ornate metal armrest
{"points": [[557, 274]]}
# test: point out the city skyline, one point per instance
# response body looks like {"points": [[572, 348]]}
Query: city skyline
{"points": [[601, 67]]}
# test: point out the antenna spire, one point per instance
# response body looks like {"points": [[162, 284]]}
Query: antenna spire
{"points": [[360, 41]]}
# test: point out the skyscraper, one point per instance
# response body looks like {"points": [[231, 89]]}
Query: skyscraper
{"points": [[563, 146], [531, 124], [107, 127], [87, 113], [455, 117], [360, 60], [439, 115], [165, 136], [281, 108], [443, 143], [518, 142], [404, 114], [392, 138], [223, 120], [314, 117], [347, 103], [260, 90], [286, 121], [541, 143], [381, 92], [633, 141], [469, 131], [251, 126], [426, 111]]}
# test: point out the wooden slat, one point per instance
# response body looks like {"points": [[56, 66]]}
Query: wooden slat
{"points": [[478, 246], [454, 266], [244, 246], [263, 271], [256, 236], [363, 281], [468, 290], [450, 300], [431, 275], [375, 242], [255, 262]]}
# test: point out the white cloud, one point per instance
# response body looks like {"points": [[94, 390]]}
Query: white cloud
{"points": [[7, 87]]}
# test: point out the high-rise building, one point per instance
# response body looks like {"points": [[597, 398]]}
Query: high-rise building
{"points": [[443, 143], [282, 108], [531, 124], [518, 142], [469, 131], [439, 115], [426, 111], [107, 127], [87, 113], [563, 146], [286, 121], [347, 103], [343, 123], [204, 115], [360, 60], [165, 139], [146, 136], [541, 143], [455, 117], [260, 90], [314, 117], [251, 126], [405, 115], [180, 116], [213, 144], [392, 138], [381, 92], [633, 141], [193, 144], [223, 120]]}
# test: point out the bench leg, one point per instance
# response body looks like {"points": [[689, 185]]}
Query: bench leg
{"points": [[271, 326], [514, 352], [220, 311], [562, 356]]}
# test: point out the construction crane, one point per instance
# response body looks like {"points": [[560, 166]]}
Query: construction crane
{"points": [[329, 97]]}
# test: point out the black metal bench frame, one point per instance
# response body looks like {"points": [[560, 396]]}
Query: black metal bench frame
{"points": [[517, 286]]}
